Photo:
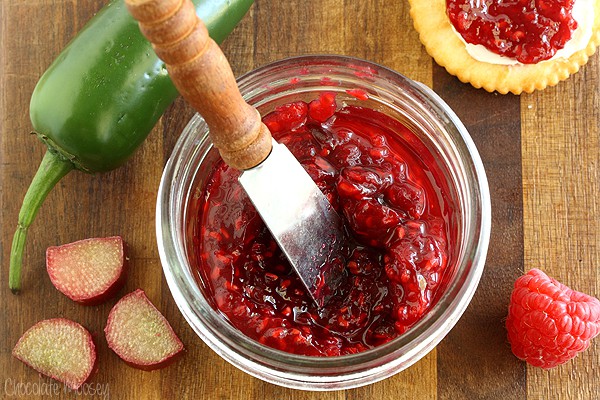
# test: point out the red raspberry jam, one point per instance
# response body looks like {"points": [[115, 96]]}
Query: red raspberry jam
{"points": [[528, 30], [396, 219]]}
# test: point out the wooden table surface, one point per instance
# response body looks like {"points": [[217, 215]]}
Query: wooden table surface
{"points": [[540, 151]]}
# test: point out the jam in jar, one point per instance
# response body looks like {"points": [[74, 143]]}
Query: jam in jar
{"points": [[396, 222]]}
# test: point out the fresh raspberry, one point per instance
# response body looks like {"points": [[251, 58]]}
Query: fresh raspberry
{"points": [[548, 323]]}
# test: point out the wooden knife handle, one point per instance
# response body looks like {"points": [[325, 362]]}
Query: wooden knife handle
{"points": [[204, 78]]}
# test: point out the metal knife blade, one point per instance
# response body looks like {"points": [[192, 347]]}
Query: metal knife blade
{"points": [[301, 219]]}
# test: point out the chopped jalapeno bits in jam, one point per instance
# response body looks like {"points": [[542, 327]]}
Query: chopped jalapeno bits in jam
{"points": [[529, 31], [396, 217]]}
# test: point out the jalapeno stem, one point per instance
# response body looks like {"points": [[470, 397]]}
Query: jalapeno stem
{"points": [[51, 170]]}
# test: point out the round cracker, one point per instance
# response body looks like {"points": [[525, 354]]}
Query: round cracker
{"points": [[448, 50]]}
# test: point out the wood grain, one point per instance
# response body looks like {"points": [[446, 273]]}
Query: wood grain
{"points": [[478, 342], [541, 153], [561, 180]]}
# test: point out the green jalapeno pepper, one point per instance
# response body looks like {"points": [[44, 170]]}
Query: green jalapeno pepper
{"points": [[100, 99]]}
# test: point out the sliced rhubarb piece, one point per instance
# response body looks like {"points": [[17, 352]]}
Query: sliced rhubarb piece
{"points": [[58, 348], [88, 271], [140, 334]]}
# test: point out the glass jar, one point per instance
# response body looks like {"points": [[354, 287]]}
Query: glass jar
{"points": [[443, 136]]}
